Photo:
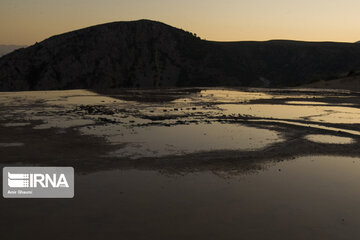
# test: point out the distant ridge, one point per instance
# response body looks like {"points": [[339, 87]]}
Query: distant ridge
{"points": [[151, 54], [5, 49]]}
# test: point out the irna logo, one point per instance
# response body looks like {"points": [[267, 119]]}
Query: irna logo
{"points": [[21, 180], [38, 182]]}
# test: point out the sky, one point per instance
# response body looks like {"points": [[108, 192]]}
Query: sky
{"points": [[30, 21]]}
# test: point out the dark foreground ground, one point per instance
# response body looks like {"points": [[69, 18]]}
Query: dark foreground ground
{"points": [[187, 163]]}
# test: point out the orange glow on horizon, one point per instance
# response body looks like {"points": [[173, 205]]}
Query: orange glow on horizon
{"points": [[27, 22]]}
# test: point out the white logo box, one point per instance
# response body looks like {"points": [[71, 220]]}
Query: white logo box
{"points": [[38, 182]]}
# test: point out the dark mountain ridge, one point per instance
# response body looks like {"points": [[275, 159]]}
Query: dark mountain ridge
{"points": [[152, 54]]}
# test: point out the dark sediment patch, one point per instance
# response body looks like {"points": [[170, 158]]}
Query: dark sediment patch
{"points": [[147, 95]]}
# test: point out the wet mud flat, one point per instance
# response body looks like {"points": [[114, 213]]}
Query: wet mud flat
{"points": [[188, 163]]}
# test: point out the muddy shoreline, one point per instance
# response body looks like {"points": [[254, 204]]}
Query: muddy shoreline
{"points": [[187, 163], [69, 145]]}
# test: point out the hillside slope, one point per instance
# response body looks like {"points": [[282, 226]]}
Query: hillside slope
{"points": [[351, 82], [152, 54], [5, 49]]}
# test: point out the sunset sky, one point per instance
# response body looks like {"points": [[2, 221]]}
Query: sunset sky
{"points": [[28, 21]]}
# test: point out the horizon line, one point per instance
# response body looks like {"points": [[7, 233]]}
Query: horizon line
{"points": [[204, 39]]}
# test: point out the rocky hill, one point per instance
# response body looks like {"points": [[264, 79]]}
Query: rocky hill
{"points": [[152, 54]]}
